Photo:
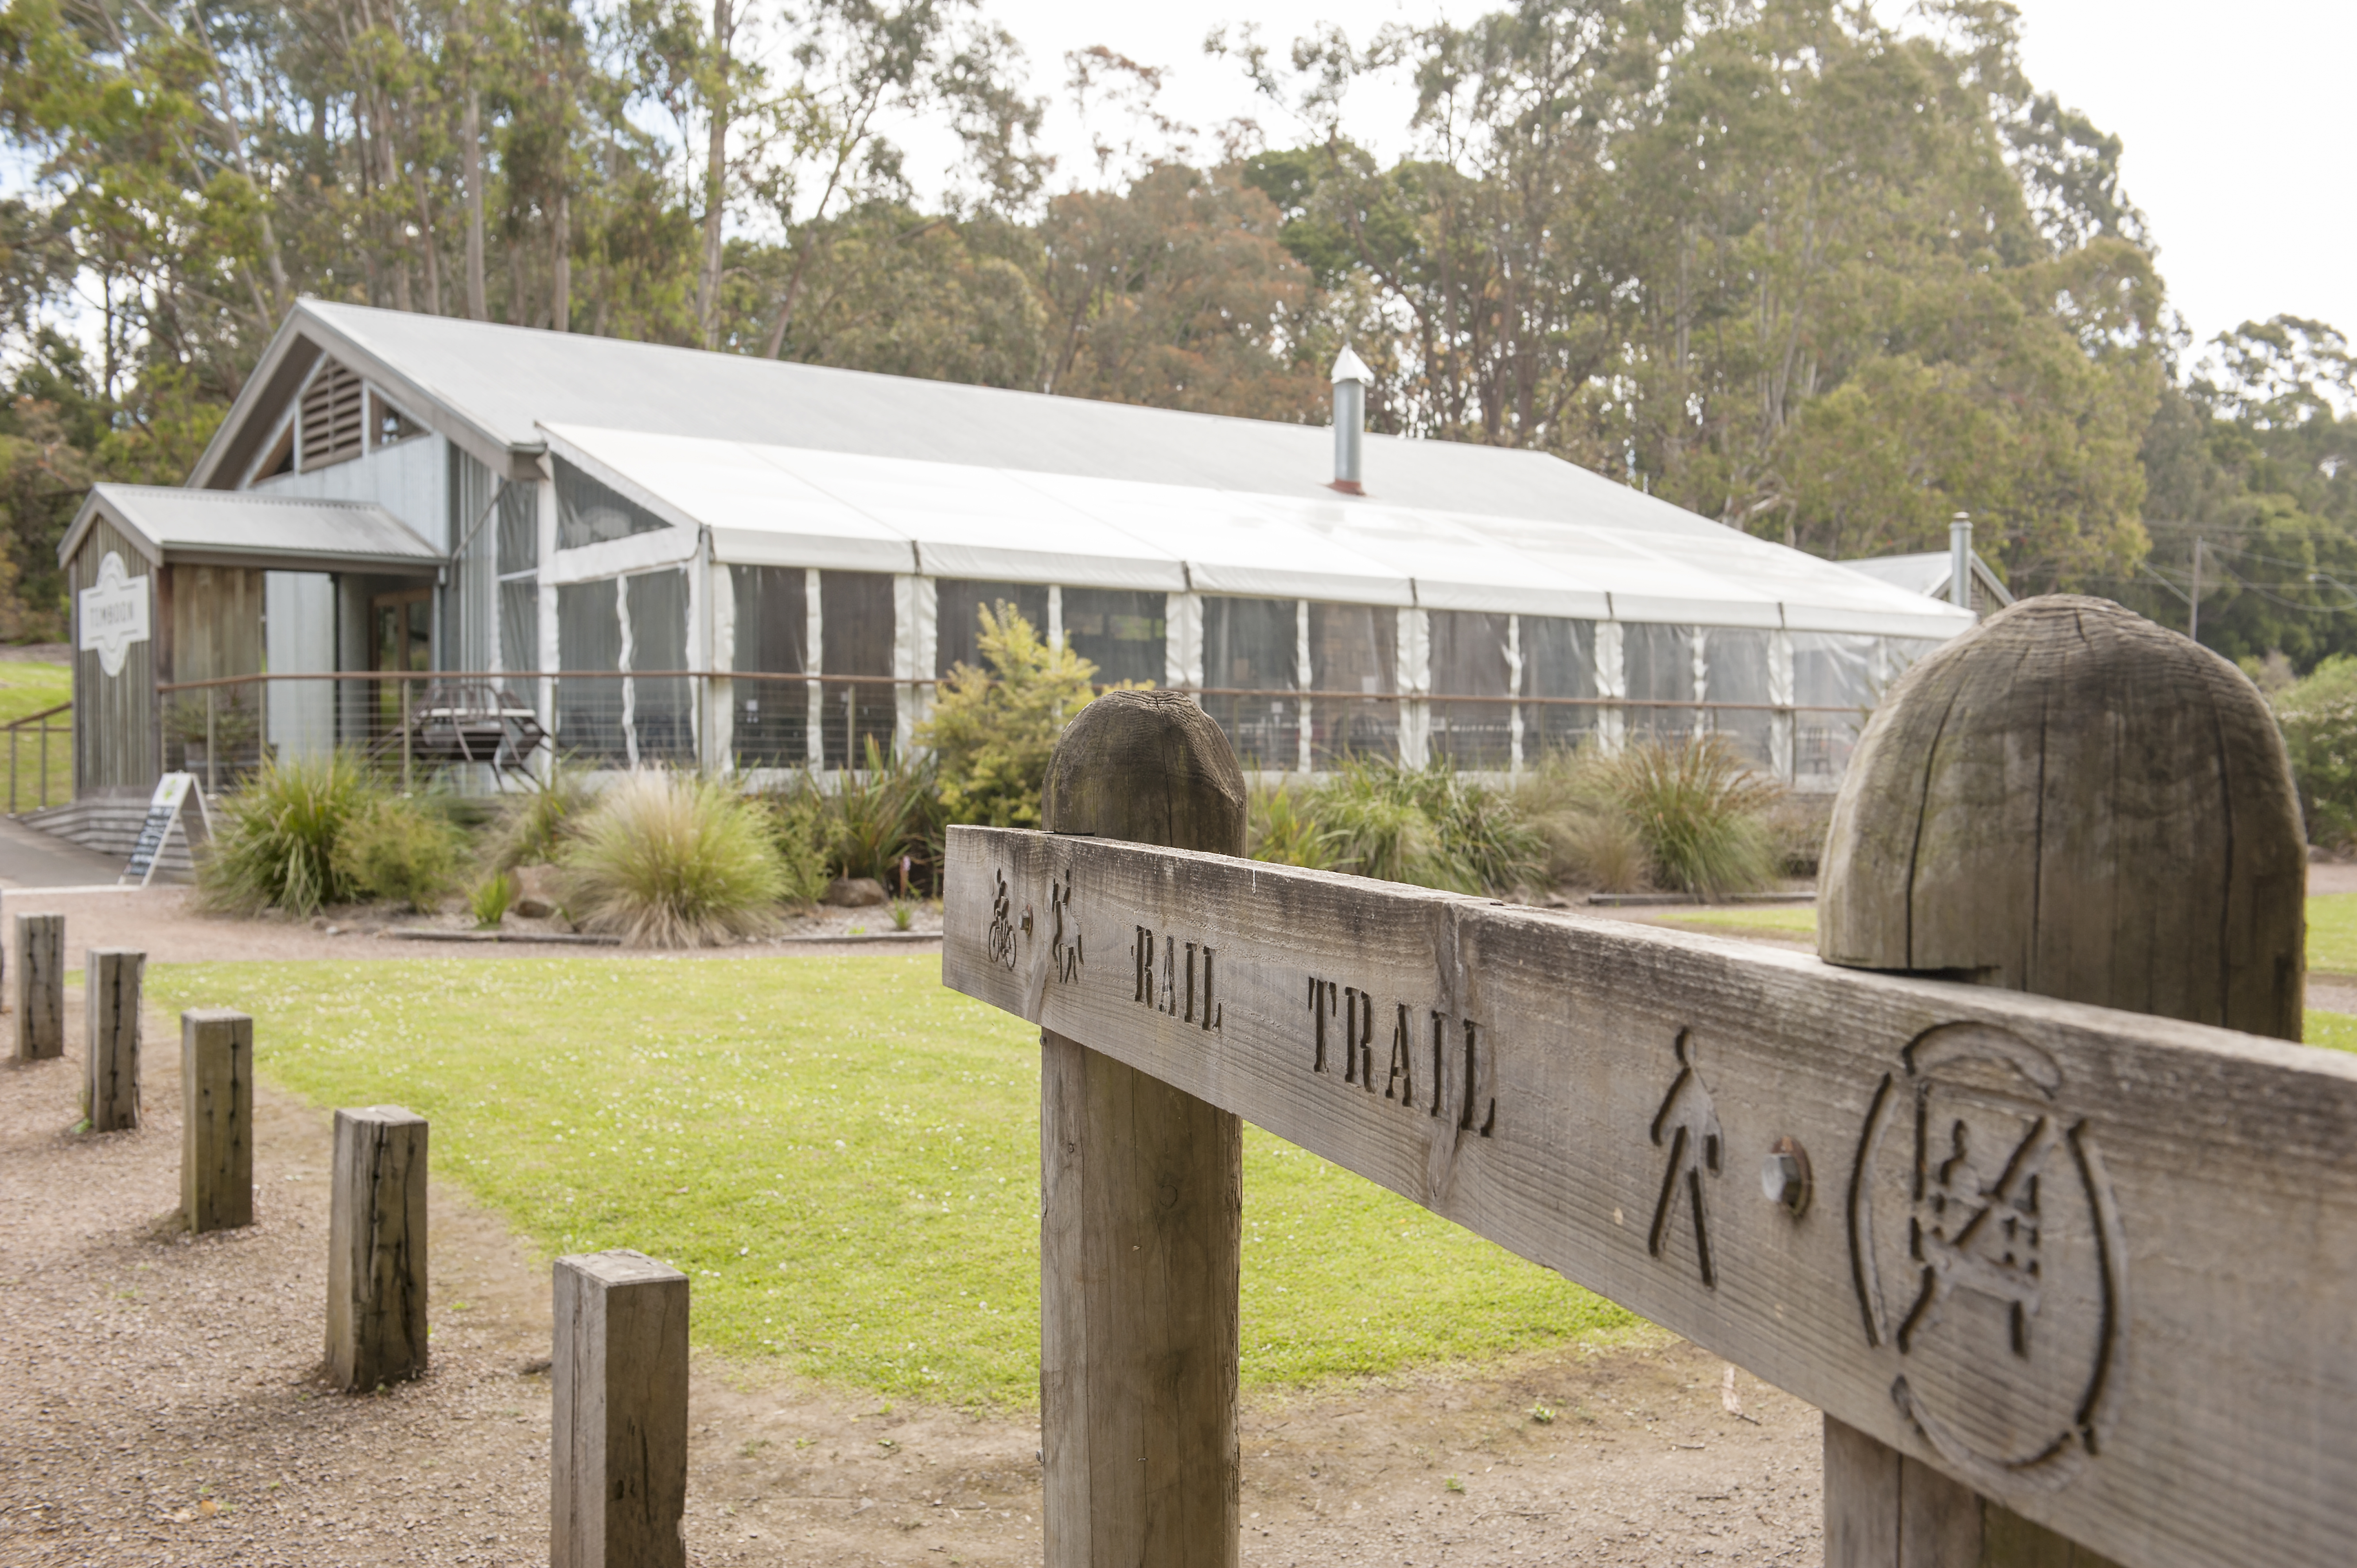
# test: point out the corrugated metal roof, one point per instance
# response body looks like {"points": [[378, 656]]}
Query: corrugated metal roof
{"points": [[238, 528], [788, 506], [506, 382]]}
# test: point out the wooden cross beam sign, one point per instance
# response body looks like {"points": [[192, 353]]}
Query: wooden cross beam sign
{"points": [[2100, 1267]]}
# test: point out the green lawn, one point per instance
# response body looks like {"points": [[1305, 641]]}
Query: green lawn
{"points": [[28, 688], [1795, 920], [844, 1156], [2333, 933]]}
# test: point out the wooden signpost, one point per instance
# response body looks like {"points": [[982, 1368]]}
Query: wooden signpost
{"points": [[2095, 1266]]}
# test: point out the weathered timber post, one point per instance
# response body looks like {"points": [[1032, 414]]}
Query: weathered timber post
{"points": [[111, 981], [1141, 1196], [376, 1249], [40, 944], [216, 1120], [2072, 802], [618, 1454]]}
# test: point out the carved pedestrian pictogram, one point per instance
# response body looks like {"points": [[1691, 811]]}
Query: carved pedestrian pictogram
{"points": [[1688, 1125]]}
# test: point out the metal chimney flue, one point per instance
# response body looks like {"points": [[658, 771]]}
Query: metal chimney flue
{"points": [[1959, 560], [1351, 378]]}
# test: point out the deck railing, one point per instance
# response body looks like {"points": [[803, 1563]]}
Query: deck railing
{"points": [[31, 787], [220, 729]]}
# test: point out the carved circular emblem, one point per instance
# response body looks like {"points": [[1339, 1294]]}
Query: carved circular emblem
{"points": [[1988, 1257]]}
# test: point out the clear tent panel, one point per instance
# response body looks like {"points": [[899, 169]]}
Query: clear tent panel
{"points": [[1122, 631], [856, 631], [1251, 647], [661, 716], [1734, 670], [1559, 663], [1835, 685], [957, 617], [589, 511], [770, 722], [1657, 661], [520, 625], [1472, 656], [1354, 649], [589, 638], [519, 527]]}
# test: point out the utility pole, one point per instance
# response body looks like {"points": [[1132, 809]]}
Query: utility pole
{"points": [[2193, 627]]}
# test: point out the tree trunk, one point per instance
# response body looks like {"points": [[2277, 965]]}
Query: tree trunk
{"points": [[560, 265], [471, 160], [718, 110]]}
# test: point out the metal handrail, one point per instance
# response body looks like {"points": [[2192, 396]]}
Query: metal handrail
{"points": [[14, 728]]}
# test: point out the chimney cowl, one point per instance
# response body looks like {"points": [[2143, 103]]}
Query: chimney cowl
{"points": [[1351, 378]]}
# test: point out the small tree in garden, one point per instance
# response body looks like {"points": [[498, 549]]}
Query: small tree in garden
{"points": [[994, 728], [2319, 717]]}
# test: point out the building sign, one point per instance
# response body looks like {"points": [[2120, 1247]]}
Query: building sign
{"points": [[114, 615]]}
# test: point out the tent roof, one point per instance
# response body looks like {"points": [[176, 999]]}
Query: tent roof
{"points": [[782, 505], [239, 528]]}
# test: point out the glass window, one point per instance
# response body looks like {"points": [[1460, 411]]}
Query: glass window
{"points": [[1354, 649], [660, 715], [1659, 663], [1119, 631], [855, 621], [1559, 661], [772, 727], [957, 617], [1251, 648], [590, 706], [1736, 671], [589, 512], [1471, 658]]}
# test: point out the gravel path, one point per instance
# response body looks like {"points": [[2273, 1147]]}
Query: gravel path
{"points": [[158, 1405]]}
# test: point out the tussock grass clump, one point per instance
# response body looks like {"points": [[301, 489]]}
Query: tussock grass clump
{"points": [[860, 823], [1571, 800], [1701, 812], [534, 821], [275, 841], [394, 847], [668, 860], [491, 899], [1428, 826]]}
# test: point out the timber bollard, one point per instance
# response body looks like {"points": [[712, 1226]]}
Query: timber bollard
{"points": [[376, 1249], [216, 1120], [2072, 802], [618, 1450], [1141, 1192], [111, 984], [40, 955]]}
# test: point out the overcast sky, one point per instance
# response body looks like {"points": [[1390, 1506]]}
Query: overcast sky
{"points": [[2235, 118]]}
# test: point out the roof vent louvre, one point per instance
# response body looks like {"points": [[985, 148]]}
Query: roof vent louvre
{"points": [[332, 417]]}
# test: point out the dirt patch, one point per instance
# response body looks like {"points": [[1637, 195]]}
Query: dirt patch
{"points": [[159, 1405]]}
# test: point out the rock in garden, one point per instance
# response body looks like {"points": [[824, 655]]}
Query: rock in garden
{"points": [[855, 892], [535, 896]]}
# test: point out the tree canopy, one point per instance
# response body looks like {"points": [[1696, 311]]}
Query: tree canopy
{"points": [[1820, 278]]}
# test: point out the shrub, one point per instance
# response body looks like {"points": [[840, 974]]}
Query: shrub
{"points": [[671, 860], [1429, 826], [796, 817], [534, 821], [490, 899], [275, 841], [1698, 808], [887, 809], [1570, 798], [395, 848], [993, 730], [1283, 828], [2319, 717]]}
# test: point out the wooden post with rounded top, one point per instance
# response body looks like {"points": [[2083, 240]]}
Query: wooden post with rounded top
{"points": [[1141, 1202], [2072, 801]]}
